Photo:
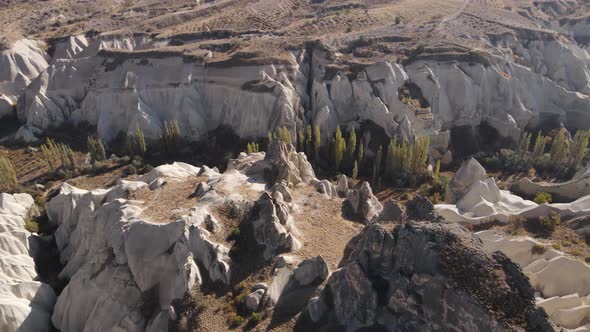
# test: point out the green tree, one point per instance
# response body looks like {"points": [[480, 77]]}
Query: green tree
{"points": [[300, 140], [437, 171], [361, 154], [351, 146], [339, 148], [539, 147], [355, 170], [284, 134], [136, 145], [309, 141], [579, 148], [317, 143], [96, 149], [558, 148], [170, 135]]}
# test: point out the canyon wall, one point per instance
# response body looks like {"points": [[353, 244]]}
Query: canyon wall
{"points": [[119, 83]]}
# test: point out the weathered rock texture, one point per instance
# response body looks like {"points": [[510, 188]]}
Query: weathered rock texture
{"points": [[423, 276], [479, 200], [19, 65], [362, 205], [577, 187], [25, 303], [561, 283]]}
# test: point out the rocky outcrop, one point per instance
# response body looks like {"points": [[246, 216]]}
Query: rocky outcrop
{"points": [[326, 188], [342, 186], [423, 276], [469, 173], [19, 66], [108, 251], [272, 227], [577, 187], [287, 165], [482, 201], [562, 283], [292, 286], [420, 208], [26, 304], [533, 79], [394, 212], [362, 205]]}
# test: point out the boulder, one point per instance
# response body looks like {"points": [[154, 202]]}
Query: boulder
{"points": [[291, 288], [253, 300], [342, 186], [362, 205], [393, 211], [282, 188], [272, 227], [423, 277], [27, 134], [420, 208], [469, 173], [326, 188]]}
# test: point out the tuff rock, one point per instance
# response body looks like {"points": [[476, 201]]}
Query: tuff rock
{"points": [[423, 276]]}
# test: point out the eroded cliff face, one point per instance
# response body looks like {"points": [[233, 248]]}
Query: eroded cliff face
{"points": [[113, 84], [19, 65]]}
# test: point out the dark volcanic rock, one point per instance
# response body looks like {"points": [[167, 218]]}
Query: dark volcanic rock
{"points": [[420, 208], [393, 211], [423, 277]]}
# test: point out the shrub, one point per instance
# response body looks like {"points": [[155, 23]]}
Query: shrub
{"points": [[136, 145], [515, 225], [202, 307], [234, 234], [587, 259], [556, 246], [576, 252], [549, 223], [538, 249], [7, 173], [234, 320], [58, 153], [284, 134], [255, 319], [31, 226], [253, 147], [543, 197]]}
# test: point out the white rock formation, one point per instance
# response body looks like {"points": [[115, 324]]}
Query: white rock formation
{"points": [[362, 205], [482, 201], [19, 65], [577, 187], [561, 283], [102, 82], [109, 248], [25, 303], [109, 251]]}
